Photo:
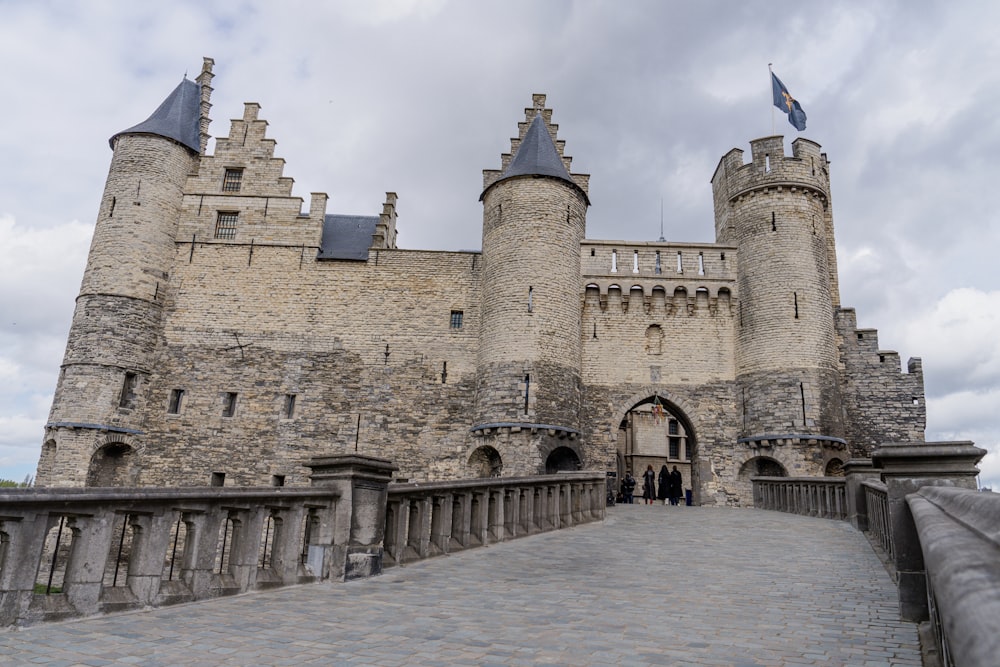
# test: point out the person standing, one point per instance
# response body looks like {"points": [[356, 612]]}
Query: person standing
{"points": [[649, 485], [628, 489], [663, 485], [676, 486]]}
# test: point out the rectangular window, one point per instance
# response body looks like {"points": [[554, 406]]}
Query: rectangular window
{"points": [[277, 480], [127, 398], [680, 263], [673, 427], [229, 404], [176, 398], [635, 261], [232, 180], [456, 319], [701, 263], [675, 448], [289, 406], [614, 261], [218, 479], [659, 269], [225, 225]]}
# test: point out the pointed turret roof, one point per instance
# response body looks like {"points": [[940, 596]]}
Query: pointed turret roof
{"points": [[536, 156], [178, 118]]}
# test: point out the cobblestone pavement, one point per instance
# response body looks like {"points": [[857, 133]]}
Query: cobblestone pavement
{"points": [[652, 585]]}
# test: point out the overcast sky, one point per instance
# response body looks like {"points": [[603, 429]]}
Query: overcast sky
{"points": [[418, 96]]}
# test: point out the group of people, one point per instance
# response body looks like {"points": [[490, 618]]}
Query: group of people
{"points": [[668, 487]]}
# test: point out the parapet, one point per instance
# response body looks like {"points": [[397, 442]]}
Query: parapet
{"points": [[806, 168]]}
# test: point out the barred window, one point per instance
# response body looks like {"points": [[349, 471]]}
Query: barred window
{"points": [[232, 180], [675, 448], [456, 319], [225, 225]]}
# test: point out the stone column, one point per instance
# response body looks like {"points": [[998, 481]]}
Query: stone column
{"points": [[855, 472], [905, 467], [354, 547]]}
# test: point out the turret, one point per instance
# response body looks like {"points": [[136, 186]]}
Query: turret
{"points": [[528, 389], [776, 210], [94, 433]]}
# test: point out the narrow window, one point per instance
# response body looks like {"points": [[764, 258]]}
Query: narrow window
{"points": [[531, 294], [881, 358], [658, 268], [635, 261], [277, 480], [680, 263], [774, 226], [289, 406], [701, 263], [592, 253], [128, 391], [232, 180], [527, 390], [795, 296], [767, 162], [614, 261], [675, 448], [225, 224], [111, 213], [673, 427], [444, 372], [176, 398], [861, 336], [229, 404], [456, 319], [218, 479], [722, 256]]}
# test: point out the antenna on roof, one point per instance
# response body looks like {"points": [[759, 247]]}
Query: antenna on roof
{"points": [[661, 239]]}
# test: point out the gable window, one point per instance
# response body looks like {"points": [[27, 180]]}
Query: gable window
{"points": [[127, 399], [176, 398], [456, 319], [232, 180], [229, 404], [225, 224]]}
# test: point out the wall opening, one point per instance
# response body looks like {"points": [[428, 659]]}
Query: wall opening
{"points": [[562, 459], [485, 461]]}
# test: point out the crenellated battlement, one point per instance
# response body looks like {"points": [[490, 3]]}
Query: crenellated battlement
{"points": [[807, 168]]}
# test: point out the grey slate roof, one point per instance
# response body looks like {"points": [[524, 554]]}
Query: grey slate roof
{"points": [[178, 118], [347, 236], [536, 156]]}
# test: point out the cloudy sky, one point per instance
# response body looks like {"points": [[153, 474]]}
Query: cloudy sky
{"points": [[418, 96]]}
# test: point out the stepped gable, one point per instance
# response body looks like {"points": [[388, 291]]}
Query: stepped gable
{"points": [[347, 236], [177, 118]]}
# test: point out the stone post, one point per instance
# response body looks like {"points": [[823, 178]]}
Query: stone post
{"points": [[855, 472], [353, 543], [905, 467]]}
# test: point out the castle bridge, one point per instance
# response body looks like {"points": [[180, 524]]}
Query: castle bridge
{"points": [[793, 581]]}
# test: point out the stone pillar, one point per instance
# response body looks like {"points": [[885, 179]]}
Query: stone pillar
{"points": [[855, 472], [354, 547], [906, 467]]}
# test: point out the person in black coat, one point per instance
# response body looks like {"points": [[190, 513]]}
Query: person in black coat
{"points": [[663, 485], [676, 486], [628, 488], [649, 485]]}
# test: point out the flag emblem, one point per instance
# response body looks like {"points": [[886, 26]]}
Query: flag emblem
{"points": [[788, 104]]}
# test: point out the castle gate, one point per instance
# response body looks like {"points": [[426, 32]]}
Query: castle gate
{"points": [[656, 432]]}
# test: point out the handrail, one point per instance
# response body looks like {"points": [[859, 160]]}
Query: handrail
{"points": [[811, 496], [877, 508]]}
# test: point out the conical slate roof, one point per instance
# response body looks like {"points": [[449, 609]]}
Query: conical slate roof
{"points": [[536, 156], [178, 118]]}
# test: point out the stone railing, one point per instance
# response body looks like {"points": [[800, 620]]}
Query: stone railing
{"points": [[876, 504], [435, 518], [811, 496], [959, 534]]}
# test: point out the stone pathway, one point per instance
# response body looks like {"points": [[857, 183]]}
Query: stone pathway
{"points": [[652, 585]]}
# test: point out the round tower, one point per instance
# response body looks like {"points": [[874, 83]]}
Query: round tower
{"points": [[776, 210], [95, 425], [528, 387]]}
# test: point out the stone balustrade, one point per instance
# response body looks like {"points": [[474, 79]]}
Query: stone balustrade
{"points": [[876, 503], [434, 518], [811, 496]]}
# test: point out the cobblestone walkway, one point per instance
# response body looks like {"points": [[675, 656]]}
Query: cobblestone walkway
{"points": [[653, 585]]}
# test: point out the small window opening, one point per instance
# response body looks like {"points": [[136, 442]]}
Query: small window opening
{"points": [[592, 252], [531, 294], [111, 213], [444, 372], [701, 263], [232, 180], [916, 401], [774, 226], [680, 264], [277, 480], [722, 256], [527, 390], [802, 395], [176, 399], [658, 268], [861, 336], [635, 261], [127, 397], [289, 406], [795, 296], [456, 319], [218, 479], [614, 261], [229, 404], [225, 224], [881, 358], [767, 162]]}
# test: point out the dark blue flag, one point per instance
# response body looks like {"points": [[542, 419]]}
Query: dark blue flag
{"points": [[784, 101]]}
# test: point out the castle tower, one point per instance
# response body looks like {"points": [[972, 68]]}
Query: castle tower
{"points": [[94, 432], [776, 210], [528, 387]]}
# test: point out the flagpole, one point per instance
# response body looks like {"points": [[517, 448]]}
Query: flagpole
{"points": [[770, 82]]}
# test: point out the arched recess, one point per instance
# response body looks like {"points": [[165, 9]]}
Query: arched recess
{"points": [[656, 430], [485, 461], [562, 459], [757, 466], [114, 463], [834, 468]]}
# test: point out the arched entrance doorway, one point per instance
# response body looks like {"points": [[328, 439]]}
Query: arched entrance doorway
{"points": [[562, 459], [112, 465], [656, 432]]}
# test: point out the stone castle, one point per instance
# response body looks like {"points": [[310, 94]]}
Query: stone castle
{"points": [[224, 336]]}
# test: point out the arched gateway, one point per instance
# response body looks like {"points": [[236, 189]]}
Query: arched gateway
{"points": [[655, 431]]}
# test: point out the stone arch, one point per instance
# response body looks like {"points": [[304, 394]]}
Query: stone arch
{"points": [[114, 463], [834, 468], [562, 459], [485, 461], [756, 466]]}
